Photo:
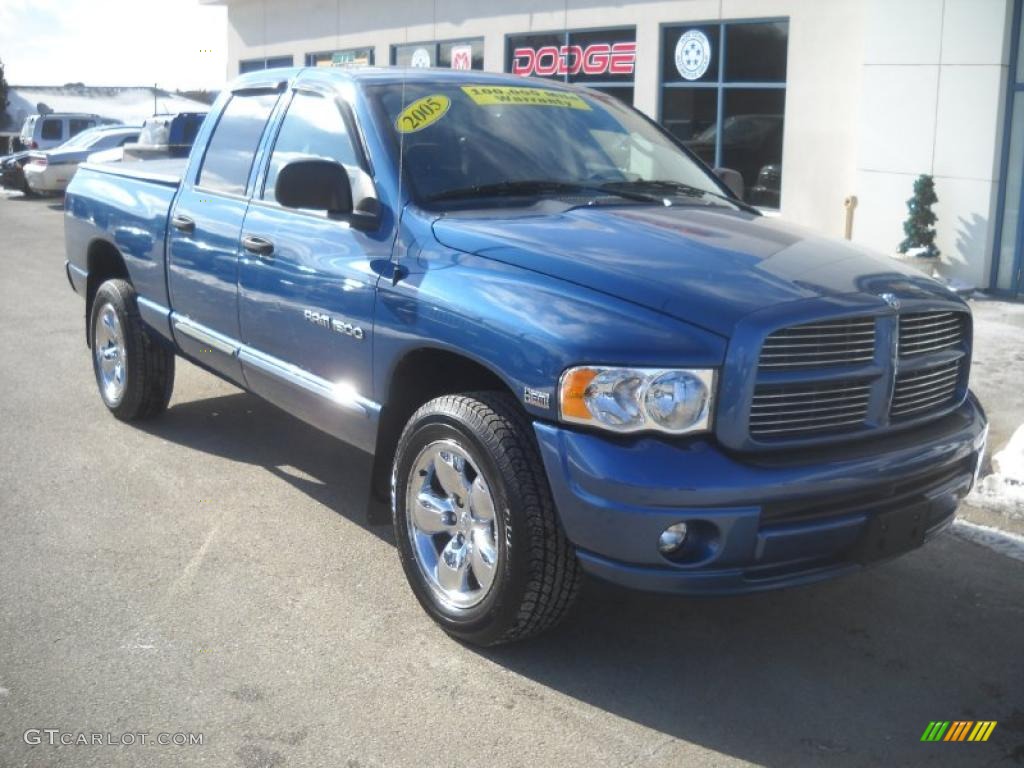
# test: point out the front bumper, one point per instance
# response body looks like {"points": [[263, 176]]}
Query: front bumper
{"points": [[758, 522]]}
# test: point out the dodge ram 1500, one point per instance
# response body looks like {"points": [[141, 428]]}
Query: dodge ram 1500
{"points": [[568, 345]]}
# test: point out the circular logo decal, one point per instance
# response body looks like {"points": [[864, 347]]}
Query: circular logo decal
{"points": [[421, 58], [693, 54]]}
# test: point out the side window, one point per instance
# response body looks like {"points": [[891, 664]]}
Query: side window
{"points": [[230, 153], [313, 127], [52, 129], [76, 125]]}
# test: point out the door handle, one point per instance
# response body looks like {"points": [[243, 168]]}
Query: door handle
{"points": [[183, 223], [258, 245]]}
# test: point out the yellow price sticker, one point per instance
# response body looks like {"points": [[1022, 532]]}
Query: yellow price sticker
{"points": [[496, 95], [422, 113]]}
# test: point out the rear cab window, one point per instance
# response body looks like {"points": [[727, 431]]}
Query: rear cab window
{"points": [[232, 147]]}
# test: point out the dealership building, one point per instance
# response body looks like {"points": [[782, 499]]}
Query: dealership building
{"points": [[828, 108]]}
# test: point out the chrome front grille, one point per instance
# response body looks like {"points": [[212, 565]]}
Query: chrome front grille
{"points": [[925, 389], [812, 345], [835, 377], [808, 408], [925, 332]]}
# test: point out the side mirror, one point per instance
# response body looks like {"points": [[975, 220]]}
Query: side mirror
{"points": [[319, 185], [732, 179]]}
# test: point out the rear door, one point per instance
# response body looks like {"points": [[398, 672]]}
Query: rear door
{"points": [[306, 300], [203, 237]]}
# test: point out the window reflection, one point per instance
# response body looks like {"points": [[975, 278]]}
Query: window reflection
{"points": [[724, 97], [313, 127], [232, 147]]}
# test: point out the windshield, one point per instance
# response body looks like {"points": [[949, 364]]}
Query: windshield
{"points": [[480, 142]]}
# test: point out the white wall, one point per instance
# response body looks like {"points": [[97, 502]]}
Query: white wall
{"points": [[878, 91], [932, 91]]}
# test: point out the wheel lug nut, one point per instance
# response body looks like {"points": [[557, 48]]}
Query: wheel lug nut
{"points": [[448, 518]]}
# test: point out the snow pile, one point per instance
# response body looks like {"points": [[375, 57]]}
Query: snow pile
{"points": [[1004, 488], [127, 105]]}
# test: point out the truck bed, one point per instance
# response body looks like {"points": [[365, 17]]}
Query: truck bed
{"points": [[128, 213], [167, 171]]}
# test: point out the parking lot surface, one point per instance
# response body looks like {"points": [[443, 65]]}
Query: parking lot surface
{"points": [[213, 572]]}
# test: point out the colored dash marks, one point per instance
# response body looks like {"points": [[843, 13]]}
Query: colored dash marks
{"points": [[958, 730]]}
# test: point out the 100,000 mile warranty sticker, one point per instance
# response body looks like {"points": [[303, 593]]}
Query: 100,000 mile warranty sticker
{"points": [[494, 95]]}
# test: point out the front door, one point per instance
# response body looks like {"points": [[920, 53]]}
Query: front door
{"points": [[204, 230], [306, 288]]}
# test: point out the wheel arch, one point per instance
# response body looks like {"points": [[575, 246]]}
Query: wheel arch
{"points": [[421, 375], [103, 262]]}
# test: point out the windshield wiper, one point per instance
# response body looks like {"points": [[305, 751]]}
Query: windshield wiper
{"points": [[676, 188], [534, 187]]}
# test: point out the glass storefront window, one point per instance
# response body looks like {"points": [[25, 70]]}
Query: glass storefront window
{"points": [[349, 57], [604, 59], [254, 65], [724, 96], [449, 54]]}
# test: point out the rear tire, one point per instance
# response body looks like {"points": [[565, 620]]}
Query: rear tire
{"points": [[469, 493], [134, 371]]}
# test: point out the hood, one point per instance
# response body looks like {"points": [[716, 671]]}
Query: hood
{"points": [[707, 266]]}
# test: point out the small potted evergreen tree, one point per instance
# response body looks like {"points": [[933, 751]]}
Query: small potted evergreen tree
{"points": [[918, 247]]}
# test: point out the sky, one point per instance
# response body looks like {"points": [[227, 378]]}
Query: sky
{"points": [[176, 44]]}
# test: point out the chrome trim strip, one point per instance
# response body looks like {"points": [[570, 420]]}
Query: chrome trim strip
{"points": [[303, 379], [153, 306], [286, 372], [204, 335]]}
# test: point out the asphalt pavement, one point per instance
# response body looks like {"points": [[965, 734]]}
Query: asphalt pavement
{"points": [[213, 574]]}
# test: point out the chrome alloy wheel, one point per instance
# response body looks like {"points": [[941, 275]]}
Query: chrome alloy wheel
{"points": [[452, 527], [108, 349]]}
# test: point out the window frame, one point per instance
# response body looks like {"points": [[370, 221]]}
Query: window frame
{"points": [[246, 193], [720, 84], [60, 122], [436, 45], [310, 57], [265, 61], [256, 195]]}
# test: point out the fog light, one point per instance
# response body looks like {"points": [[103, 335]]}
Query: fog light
{"points": [[672, 539]]}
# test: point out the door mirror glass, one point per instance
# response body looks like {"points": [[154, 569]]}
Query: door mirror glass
{"points": [[318, 185], [732, 179]]}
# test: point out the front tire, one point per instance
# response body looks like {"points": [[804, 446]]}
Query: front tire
{"points": [[134, 372], [475, 523]]}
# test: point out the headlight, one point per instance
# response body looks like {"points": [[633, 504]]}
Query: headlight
{"points": [[676, 401]]}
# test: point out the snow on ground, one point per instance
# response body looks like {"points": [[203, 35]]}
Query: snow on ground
{"points": [[997, 377], [1003, 542], [1004, 488]]}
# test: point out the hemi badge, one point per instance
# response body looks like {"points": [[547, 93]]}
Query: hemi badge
{"points": [[537, 398]]}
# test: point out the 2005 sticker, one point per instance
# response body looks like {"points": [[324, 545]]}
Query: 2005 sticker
{"points": [[422, 113]]}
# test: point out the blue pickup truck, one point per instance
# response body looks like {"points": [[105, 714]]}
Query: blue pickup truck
{"points": [[568, 345]]}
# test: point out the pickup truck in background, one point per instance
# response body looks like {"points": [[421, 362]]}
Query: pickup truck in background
{"points": [[569, 347], [165, 136]]}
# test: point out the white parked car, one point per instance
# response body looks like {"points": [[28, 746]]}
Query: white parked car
{"points": [[52, 130], [50, 171]]}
